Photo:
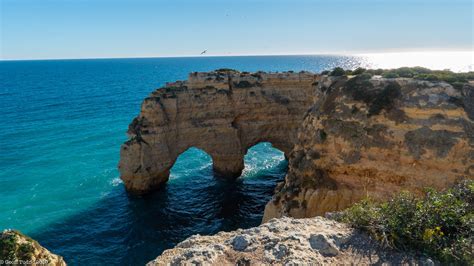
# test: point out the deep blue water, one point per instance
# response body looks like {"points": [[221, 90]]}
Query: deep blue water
{"points": [[62, 123]]}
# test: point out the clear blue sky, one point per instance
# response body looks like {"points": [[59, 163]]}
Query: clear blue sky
{"points": [[34, 29]]}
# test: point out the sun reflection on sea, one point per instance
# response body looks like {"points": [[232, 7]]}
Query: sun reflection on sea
{"points": [[454, 61]]}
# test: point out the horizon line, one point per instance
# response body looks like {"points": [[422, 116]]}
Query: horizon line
{"points": [[249, 55]]}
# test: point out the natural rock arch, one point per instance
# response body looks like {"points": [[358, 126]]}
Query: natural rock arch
{"points": [[182, 161], [223, 113]]}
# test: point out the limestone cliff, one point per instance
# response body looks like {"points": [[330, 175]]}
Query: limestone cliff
{"points": [[223, 113], [18, 249], [346, 137], [286, 241], [372, 136]]}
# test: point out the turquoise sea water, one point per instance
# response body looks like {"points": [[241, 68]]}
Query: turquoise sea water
{"points": [[62, 123]]}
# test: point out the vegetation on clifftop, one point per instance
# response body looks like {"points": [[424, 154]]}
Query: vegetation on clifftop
{"points": [[440, 225], [455, 79], [12, 249]]}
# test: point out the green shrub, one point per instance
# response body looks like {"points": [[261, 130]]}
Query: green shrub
{"points": [[8, 246], [15, 246], [455, 79], [338, 71], [25, 251], [226, 70], [440, 225], [404, 72], [378, 71], [358, 71], [390, 75], [365, 76]]}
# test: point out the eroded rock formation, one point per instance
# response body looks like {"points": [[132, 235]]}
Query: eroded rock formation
{"points": [[286, 241], [346, 137], [223, 113], [374, 137]]}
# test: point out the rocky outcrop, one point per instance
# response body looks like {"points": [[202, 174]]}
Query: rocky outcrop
{"points": [[18, 249], [346, 137], [372, 137], [314, 241], [223, 113]]}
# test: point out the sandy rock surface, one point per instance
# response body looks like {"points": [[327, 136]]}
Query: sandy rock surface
{"points": [[315, 241]]}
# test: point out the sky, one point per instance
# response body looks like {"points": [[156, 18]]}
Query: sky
{"points": [[55, 29]]}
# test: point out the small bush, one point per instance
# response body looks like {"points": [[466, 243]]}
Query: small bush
{"points": [[455, 79], [404, 72], [358, 71], [25, 251], [338, 71], [390, 75], [226, 70], [15, 246], [439, 225], [365, 76], [8, 246], [378, 71]]}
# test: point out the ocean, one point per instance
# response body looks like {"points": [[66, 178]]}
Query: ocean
{"points": [[63, 122]]}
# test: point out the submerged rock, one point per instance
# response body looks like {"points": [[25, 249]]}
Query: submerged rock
{"points": [[313, 241]]}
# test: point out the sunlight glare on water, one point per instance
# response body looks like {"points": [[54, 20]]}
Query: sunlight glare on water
{"points": [[454, 61]]}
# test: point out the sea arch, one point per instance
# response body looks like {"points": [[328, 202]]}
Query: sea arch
{"points": [[263, 160], [224, 113]]}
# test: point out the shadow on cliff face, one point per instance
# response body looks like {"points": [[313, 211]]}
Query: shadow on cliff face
{"points": [[126, 230]]}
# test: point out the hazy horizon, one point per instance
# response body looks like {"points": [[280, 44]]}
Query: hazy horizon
{"points": [[86, 29]]}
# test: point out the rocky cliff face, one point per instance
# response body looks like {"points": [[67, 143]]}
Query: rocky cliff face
{"points": [[315, 241], [223, 113], [373, 137], [346, 137], [18, 249]]}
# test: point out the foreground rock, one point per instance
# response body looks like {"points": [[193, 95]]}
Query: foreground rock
{"points": [[16, 248], [372, 136], [223, 113], [313, 241]]}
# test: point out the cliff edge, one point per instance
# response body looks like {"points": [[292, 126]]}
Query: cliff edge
{"points": [[313, 241], [18, 249], [369, 136]]}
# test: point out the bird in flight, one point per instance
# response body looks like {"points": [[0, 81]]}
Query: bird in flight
{"points": [[203, 52]]}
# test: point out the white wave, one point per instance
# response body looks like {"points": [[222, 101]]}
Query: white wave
{"points": [[116, 181]]}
